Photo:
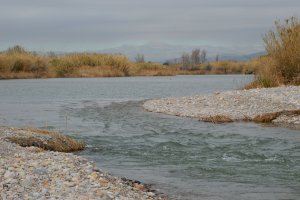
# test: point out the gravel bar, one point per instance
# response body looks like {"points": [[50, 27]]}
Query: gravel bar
{"points": [[236, 104], [33, 173]]}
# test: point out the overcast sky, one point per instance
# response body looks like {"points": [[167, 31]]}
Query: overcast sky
{"points": [[80, 25]]}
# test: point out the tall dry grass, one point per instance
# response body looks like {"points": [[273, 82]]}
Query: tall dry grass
{"points": [[17, 62], [281, 66], [66, 65], [230, 67]]}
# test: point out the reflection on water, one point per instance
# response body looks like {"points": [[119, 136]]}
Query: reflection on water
{"points": [[183, 157]]}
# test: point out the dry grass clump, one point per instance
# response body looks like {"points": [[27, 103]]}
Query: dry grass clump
{"points": [[218, 67], [46, 140], [105, 71], [153, 69], [217, 119], [17, 60], [269, 117], [282, 64], [230, 67], [66, 65]]}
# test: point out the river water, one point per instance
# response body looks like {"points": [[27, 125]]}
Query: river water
{"points": [[181, 157]]}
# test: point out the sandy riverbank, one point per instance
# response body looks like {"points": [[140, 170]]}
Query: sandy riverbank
{"points": [[34, 173], [279, 105]]}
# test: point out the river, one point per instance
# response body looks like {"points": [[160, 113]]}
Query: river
{"points": [[184, 158]]}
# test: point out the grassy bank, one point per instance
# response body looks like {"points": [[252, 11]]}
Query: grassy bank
{"points": [[281, 65], [17, 62]]}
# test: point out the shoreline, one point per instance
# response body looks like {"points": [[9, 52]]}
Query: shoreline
{"points": [[34, 173], [278, 105], [91, 77]]}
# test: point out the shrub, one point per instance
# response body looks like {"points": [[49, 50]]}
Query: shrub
{"points": [[282, 63], [68, 64], [64, 70], [283, 47], [17, 49], [21, 64], [40, 65]]}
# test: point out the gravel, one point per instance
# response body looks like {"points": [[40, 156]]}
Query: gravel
{"points": [[237, 104], [33, 173]]}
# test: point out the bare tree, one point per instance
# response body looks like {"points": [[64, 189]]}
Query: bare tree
{"points": [[140, 58], [203, 56], [51, 54], [217, 58], [185, 61], [195, 57], [16, 49]]}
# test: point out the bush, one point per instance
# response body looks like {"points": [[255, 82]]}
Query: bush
{"points": [[21, 65], [67, 64], [282, 64], [283, 47], [17, 60], [64, 70], [16, 50], [40, 65]]}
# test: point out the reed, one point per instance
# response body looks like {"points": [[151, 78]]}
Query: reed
{"points": [[72, 64], [281, 66], [17, 62], [230, 67], [23, 62]]}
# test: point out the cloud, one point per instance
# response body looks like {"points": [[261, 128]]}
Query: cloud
{"points": [[98, 24]]}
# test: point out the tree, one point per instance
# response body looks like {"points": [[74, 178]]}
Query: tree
{"points": [[217, 58], [16, 49], [203, 56], [140, 58], [185, 61], [195, 57]]}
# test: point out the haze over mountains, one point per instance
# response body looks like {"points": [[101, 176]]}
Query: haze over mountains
{"points": [[160, 52]]}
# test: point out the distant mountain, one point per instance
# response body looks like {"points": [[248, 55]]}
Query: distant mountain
{"points": [[159, 52], [240, 57]]}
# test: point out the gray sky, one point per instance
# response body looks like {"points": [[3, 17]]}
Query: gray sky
{"points": [[79, 25]]}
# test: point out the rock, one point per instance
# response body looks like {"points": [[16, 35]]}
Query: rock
{"points": [[138, 186], [9, 174], [150, 194], [40, 171]]}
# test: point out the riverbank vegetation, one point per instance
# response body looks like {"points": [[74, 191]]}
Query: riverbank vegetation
{"points": [[281, 65], [44, 139], [17, 62]]}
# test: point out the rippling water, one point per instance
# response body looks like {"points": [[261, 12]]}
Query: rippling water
{"points": [[184, 158]]}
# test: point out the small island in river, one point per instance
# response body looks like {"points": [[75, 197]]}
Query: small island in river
{"points": [[280, 105]]}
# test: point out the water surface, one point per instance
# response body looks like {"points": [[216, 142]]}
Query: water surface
{"points": [[182, 157]]}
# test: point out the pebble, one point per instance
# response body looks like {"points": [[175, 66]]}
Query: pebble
{"points": [[27, 173]]}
